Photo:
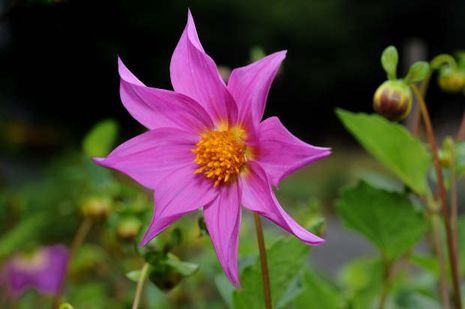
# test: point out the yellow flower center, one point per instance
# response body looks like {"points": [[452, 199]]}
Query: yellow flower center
{"points": [[221, 154]]}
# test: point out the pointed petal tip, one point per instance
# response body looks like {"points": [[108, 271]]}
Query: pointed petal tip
{"points": [[99, 160]]}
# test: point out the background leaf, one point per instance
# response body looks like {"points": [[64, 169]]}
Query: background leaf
{"points": [[101, 138], [286, 258], [317, 293], [392, 145], [417, 72], [389, 60], [388, 219]]}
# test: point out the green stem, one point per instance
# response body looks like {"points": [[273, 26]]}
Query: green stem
{"points": [[388, 266], [263, 262], [443, 285], [453, 196], [443, 197], [140, 286], [78, 239]]}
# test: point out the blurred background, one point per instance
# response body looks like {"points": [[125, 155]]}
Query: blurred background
{"points": [[58, 78]]}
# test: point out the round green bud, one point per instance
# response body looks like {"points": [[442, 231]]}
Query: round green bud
{"points": [[451, 80], [96, 208], [393, 100], [128, 229]]}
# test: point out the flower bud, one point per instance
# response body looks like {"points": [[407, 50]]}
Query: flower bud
{"points": [[393, 100], [128, 229], [451, 80], [96, 208]]}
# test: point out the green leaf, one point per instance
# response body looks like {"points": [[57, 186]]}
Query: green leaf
{"points": [[388, 219], [417, 72], [317, 293], [286, 258], [392, 145], [133, 275], [389, 60], [184, 268], [362, 280], [22, 233], [101, 138]]}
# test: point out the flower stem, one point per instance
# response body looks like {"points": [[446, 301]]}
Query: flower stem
{"points": [[140, 286], [443, 285], [417, 114], [79, 237], [443, 197], [388, 265], [453, 197], [263, 263], [461, 132]]}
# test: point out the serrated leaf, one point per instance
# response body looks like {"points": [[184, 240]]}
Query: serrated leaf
{"points": [[417, 72], [100, 139], [286, 258], [317, 293], [387, 219], [133, 275], [389, 60], [392, 145]]}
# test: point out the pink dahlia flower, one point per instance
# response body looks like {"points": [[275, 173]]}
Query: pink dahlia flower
{"points": [[207, 147], [43, 270]]}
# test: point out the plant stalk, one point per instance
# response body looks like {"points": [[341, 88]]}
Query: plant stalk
{"points": [[452, 250], [78, 239], [461, 132], [263, 262], [140, 286], [443, 285]]}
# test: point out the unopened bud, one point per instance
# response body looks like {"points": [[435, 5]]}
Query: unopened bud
{"points": [[393, 100], [96, 208], [451, 80], [128, 229]]}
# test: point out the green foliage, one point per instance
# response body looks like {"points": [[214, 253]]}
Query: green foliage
{"points": [[392, 145], [317, 293], [389, 60], [362, 280], [286, 258], [388, 219], [101, 138], [417, 72], [21, 234]]}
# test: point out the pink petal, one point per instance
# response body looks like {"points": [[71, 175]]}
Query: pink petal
{"points": [[250, 85], [156, 108], [258, 196], [179, 193], [195, 74], [223, 220], [149, 157], [280, 153]]}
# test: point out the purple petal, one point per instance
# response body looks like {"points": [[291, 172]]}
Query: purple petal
{"points": [[45, 272], [195, 74], [258, 196], [148, 158], [249, 85], [181, 192], [223, 220], [156, 108], [280, 153]]}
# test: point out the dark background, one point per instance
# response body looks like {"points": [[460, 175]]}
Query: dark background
{"points": [[58, 72]]}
